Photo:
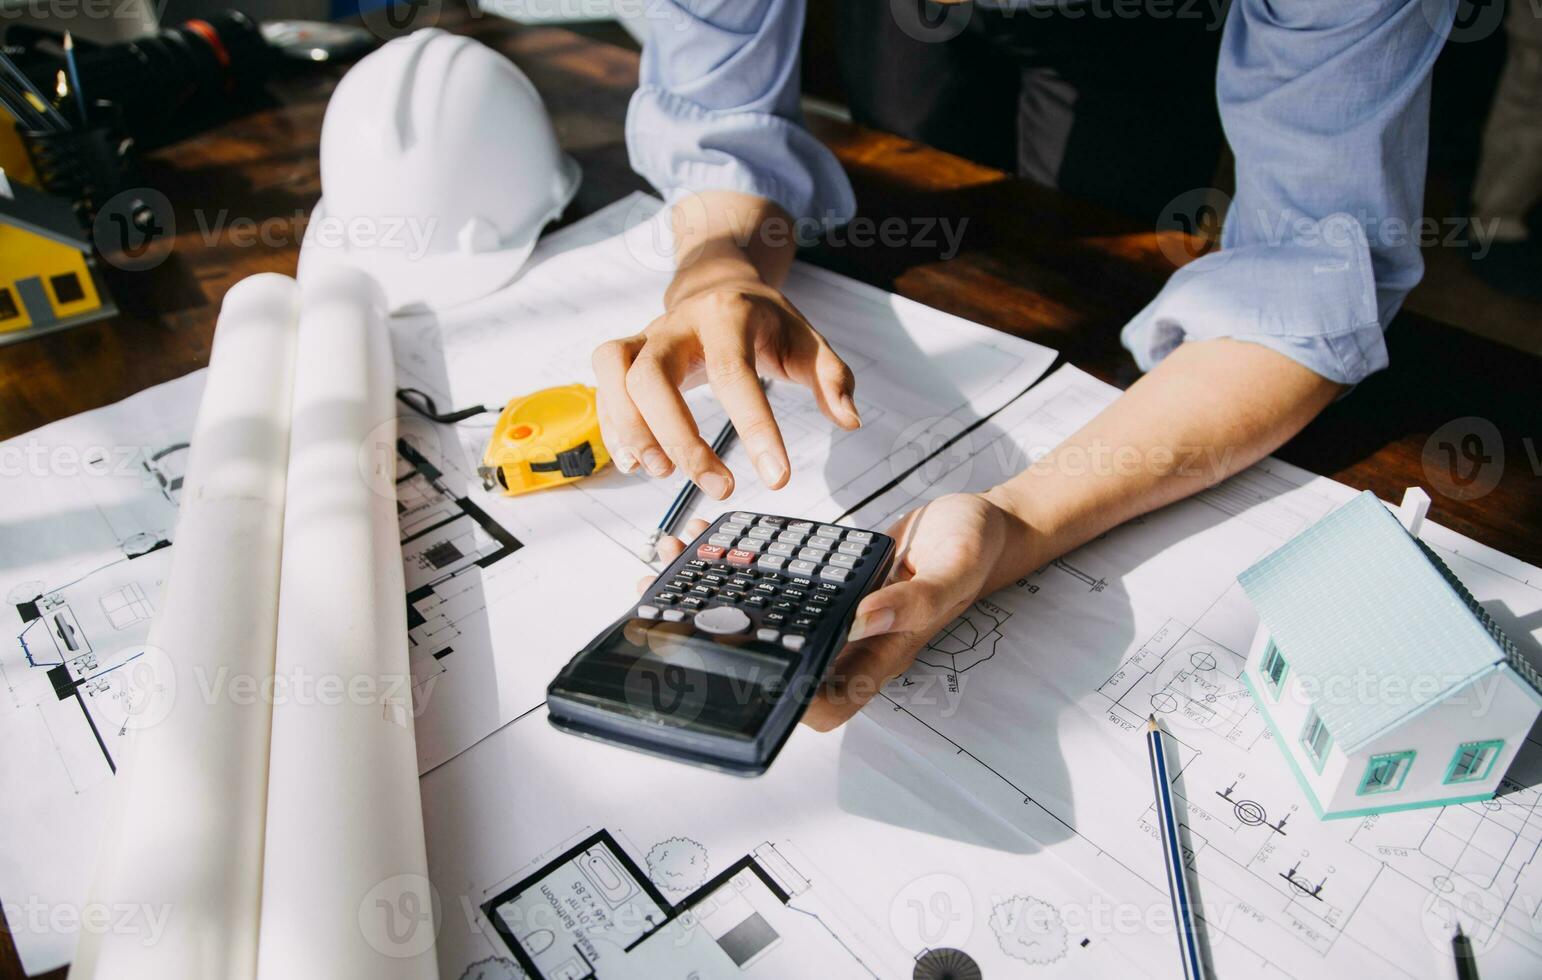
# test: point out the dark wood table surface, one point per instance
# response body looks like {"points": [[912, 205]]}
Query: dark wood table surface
{"points": [[1034, 263]]}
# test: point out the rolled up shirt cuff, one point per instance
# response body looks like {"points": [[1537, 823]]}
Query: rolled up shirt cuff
{"points": [[1312, 299], [681, 147]]}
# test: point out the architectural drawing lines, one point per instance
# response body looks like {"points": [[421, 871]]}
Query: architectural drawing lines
{"points": [[593, 913], [968, 641], [1015, 788]]}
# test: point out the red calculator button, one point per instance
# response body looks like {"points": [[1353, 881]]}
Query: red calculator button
{"points": [[711, 552], [740, 557]]}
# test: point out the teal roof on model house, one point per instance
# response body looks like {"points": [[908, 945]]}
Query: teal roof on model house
{"points": [[1373, 623]]}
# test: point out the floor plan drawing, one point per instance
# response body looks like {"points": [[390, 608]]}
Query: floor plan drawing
{"points": [[447, 539], [1478, 862], [968, 641], [1183, 676], [80, 624], [846, 861], [593, 913], [83, 636]]}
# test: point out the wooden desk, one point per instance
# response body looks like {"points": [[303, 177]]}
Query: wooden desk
{"points": [[1034, 263]]}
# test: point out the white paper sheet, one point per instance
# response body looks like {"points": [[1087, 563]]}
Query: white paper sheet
{"points": [[344, 850], [493, 608], [848, 859], [1035, 700], [90, 508], [186, 835]]}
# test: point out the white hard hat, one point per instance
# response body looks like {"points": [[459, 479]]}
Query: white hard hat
{"points": [[439, 168]]}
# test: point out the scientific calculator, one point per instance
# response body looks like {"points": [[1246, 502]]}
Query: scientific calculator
{"points": [[722, 654]]}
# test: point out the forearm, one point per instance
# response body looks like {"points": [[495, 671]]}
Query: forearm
{"points": [[724, 238], [1210, 409]]}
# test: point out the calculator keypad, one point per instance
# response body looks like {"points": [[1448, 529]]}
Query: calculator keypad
{"points": [[768, 576]]}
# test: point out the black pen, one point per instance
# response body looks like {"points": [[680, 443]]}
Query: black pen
{"points": [[687, 494], [1461, 951]]}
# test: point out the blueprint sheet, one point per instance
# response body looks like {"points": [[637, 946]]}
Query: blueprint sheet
{"points": [[500, 591], [1035, 701]]}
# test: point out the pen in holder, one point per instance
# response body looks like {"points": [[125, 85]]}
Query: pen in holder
{"points": [[83, 165]]}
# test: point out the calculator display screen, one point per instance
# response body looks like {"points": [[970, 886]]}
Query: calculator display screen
{"points": [[669, 674]]}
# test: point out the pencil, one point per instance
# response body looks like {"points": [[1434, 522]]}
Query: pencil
{"points": [[687, 494], [1177, 883], [74, 70]]}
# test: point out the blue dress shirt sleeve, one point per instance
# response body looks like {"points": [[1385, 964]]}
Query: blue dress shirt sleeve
{"points": [[1326, 108], [717, 108]]}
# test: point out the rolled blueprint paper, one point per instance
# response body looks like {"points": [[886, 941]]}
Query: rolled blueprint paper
{"points": [[345, 890], [190, 803]]}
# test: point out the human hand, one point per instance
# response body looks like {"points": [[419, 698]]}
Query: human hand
{"points": [[951, 551], [728, 336]]}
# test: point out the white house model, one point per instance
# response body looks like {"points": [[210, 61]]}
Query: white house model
{"points": [[1383, 680]]}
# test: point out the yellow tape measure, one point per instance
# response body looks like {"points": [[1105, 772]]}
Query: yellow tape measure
{"points": [[544, 439]]}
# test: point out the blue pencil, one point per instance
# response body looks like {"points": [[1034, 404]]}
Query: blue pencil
{"points": [[1177, 883], [74, 70]]}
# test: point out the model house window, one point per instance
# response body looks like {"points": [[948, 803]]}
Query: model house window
{"points": [[1315, 738], [8, 308], [1274, 668], [1474, 761], [1385, 773], [67, 288]]}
